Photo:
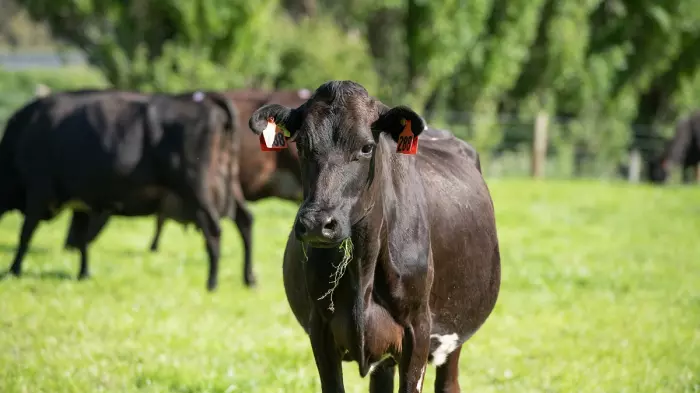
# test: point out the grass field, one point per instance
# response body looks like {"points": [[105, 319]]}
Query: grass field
{"points": [[600, 293]]}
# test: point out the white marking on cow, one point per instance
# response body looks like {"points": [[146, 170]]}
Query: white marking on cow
{"points": [[198, 96], [374, 365], [304, 94], [420, 380], [448, 343]]}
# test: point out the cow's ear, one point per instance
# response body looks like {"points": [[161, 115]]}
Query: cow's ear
{"points": [[393, 121], [285, 117]]}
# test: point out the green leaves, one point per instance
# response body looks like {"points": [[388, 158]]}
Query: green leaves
{"points": [[597, 60]]}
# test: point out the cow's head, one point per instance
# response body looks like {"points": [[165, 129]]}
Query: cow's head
{"points": [[337, 133]]}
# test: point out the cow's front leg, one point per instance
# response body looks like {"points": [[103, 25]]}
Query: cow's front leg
{"points": [[326, 355], [414, 356]]}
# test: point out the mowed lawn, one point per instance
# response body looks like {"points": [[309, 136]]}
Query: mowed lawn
{"points": [[600, 293]]}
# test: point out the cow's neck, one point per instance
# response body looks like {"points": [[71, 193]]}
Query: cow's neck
{"points": [[357, 302]]}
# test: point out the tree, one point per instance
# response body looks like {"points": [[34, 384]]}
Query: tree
{"points": [[170, 44]]}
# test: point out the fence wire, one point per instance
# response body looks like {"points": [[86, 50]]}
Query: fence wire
{"points": [[573, 151]]}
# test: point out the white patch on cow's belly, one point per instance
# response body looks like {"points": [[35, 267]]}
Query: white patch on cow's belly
{"points": [[448, 343]]}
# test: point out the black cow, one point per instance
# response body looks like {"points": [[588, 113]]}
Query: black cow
{"points": [[94, 151], [260, 175], [424, 273], [683, 150]]}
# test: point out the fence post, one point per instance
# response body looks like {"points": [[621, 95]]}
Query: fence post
{"points": [[635, 166], [539, 144]]}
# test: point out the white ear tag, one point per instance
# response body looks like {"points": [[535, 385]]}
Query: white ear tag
{"points": [[269, 134]]}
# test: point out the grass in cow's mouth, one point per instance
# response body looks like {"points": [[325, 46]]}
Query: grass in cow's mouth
{"points": [[346, 248]]}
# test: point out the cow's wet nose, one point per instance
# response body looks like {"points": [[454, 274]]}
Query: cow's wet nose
{"points": [[330, 225], [317, 228]]}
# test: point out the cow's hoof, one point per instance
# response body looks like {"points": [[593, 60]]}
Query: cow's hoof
{"points": [[83, 276], [251, 281], [211, 286], [154, 248], [15, 271]]}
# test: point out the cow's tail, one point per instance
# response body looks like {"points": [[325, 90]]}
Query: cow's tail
{"points": [[227, 105], [11, 192]]}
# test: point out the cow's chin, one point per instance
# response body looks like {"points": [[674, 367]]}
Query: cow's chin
{"points": [[327, 243]]}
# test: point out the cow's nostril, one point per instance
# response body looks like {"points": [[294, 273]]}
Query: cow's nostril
{"points": [[299, 228], [330, 224]]}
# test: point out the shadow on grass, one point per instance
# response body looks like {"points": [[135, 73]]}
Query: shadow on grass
{"points": [[43, 275], [12, 248]]}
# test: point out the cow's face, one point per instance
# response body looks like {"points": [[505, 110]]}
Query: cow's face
{"points": [[336, 132]]}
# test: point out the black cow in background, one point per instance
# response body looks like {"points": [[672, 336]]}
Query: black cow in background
{"points": [[260, 174], [93, 151], [683, 150], [223, 189]]}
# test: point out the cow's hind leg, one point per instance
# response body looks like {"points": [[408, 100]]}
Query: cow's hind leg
{"points": [[32, 216], [447, 374], [160, 220], [382, 379], [244, 223], [207, 221], [688, 174], [212, 238], [71, 239], [81, 221]]}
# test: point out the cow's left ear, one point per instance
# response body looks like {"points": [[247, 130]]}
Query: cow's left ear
{"points": [[393, 120], [282, 116]]}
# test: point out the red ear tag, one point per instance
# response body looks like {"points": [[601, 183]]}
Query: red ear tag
{"points": [[408, 143], [272, 137]]}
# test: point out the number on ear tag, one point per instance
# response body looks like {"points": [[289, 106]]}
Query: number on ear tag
{"points": [[273, 137], [407, 143]]}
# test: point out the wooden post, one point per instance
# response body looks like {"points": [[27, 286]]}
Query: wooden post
{"points": [[635, 166], [539, 145]]}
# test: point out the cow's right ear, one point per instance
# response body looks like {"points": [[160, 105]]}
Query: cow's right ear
{"points": [[284, 117]]}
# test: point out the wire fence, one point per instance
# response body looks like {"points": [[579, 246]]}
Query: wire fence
{"points": [[570, 148], [573, 150]]}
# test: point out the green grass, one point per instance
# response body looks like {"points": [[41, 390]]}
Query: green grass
{"points": [[600, 293]]}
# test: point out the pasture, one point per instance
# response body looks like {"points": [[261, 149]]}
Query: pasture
{"points": [[600, 293]]}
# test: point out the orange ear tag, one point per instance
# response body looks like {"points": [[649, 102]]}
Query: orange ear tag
{"points": [[408, 143], [272, 137]]}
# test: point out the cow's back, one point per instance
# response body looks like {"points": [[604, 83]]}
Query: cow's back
{"points": [[463, 234], [87, 143]]}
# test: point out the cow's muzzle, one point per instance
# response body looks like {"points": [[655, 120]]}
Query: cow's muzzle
{"points": [[319, 229]]}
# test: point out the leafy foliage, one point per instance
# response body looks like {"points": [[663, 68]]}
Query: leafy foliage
{"points": [[607, 64]]}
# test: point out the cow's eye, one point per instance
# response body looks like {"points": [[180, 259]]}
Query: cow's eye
{"points": [[367, 149]]}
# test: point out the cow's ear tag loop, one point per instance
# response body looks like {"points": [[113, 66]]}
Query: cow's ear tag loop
{"points": [[273, 137], [407, 142]]}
